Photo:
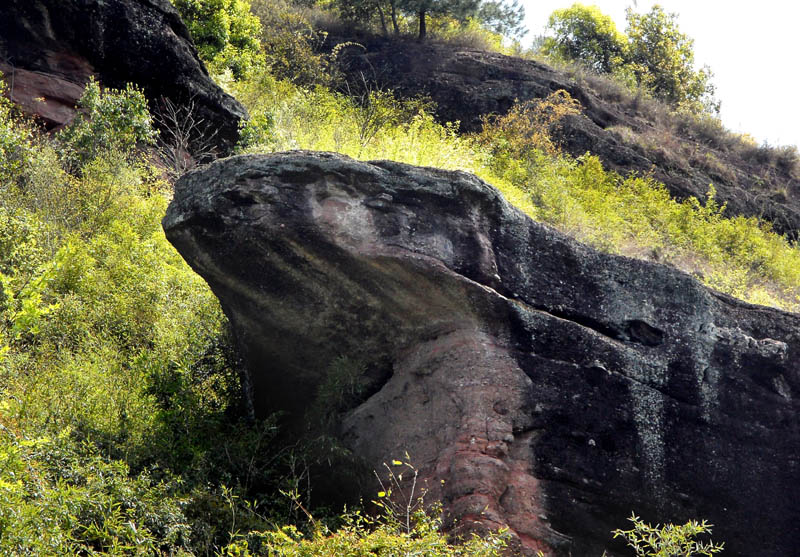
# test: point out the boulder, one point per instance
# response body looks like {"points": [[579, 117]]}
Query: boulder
{"points": [[50, 48], [534, 382]]}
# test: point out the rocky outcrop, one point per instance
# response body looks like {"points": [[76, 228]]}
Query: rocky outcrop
{"points": [[50, 48], [552, 388], [467, 84]]}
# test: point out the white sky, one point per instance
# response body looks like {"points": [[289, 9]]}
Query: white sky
{"points": [[753, 48]]}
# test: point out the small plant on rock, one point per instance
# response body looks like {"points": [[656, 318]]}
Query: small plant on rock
{"points": [[669, 540]]}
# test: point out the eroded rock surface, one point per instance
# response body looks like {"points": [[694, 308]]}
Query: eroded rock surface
{"points": [[553, 388], [50, 48]]}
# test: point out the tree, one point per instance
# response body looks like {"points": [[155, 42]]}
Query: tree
{"points": [[503, 18], [458, 9], [584, 33], [225, 32], [662, 59], [500, 16], [365, 10], [653, 52]]}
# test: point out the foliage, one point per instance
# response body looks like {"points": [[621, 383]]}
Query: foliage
{"points": [[56, 499], [662, 59], [291, 43], [498, 16], [225, 32], [389, 128], [653, 53], [361, 536], [108, 121], [528, 128], [584, 33], [16, 140], [519, 154], [343, 385], [110, 346], [365, 12], [467, 33], [405, 528], [669, 540], [120, 399], [502, 18]]}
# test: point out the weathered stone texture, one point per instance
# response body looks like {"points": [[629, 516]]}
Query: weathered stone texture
{"points": [[50, 48], [553, 388]]}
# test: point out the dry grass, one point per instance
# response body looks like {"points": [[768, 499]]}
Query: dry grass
{"points": [[662, 126]]}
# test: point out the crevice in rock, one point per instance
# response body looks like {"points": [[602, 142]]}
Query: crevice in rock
{"points": [[644, 333]]}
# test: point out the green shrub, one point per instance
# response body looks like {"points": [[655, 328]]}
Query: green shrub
{"points": [[120, 401], [518, 153], [529, 128], [225, 33], [113, 346], [59, 499], [669, 540], [403, 526], [291, 43], [16, 141], [108, 121]]}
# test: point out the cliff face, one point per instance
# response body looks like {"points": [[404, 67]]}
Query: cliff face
{"points": [[553, 389], [467, 84], [50, 48]]}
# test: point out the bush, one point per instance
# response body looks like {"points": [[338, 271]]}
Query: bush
{"points": [[109, 343], [528, 128], [668, 540], [636, 216], [403, 526], [16, 142], [291, 43], [58, 500], [120, 401], [107, 121], [225, 32]]}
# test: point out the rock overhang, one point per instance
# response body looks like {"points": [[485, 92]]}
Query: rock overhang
{"points": [[514, 358]]}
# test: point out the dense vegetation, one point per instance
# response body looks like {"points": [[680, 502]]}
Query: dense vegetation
{"points": [[118, 381], [653, 53]]}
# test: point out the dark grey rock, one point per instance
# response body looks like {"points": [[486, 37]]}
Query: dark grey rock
{"points": [[553, 388], [50, 48]]}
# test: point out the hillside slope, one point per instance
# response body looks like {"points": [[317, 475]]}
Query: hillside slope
{"points": [[630, 134], [460, 303]]}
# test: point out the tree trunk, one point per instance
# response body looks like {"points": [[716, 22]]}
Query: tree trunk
{"points": [[383, 19], [422, 28], [395, 27]]}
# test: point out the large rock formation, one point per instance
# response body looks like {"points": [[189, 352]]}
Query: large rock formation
{"points": [[467, 84], [50, 48], [553, 388]]}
